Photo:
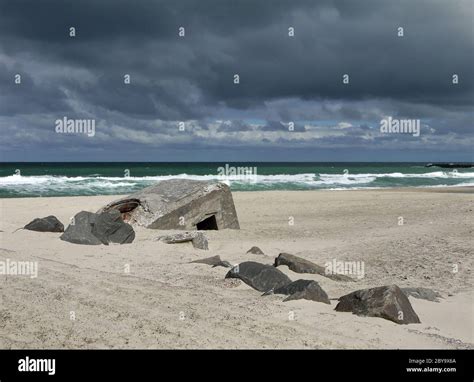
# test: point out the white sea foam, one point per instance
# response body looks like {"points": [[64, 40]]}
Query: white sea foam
{"points": [[89, 185], [436, 174]]}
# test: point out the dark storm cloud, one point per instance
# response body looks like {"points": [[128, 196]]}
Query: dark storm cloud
{"points": [[190, 79]]}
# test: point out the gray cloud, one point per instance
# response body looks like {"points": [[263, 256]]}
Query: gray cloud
{"points": [[282, 78]]}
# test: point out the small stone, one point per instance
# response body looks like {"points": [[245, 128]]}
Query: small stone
{"points": [[300, 265], [197, 238], [255, 251], [422, 293]]}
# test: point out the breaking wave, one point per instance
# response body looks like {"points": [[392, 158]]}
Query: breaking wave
{"points": [[50, 185]]}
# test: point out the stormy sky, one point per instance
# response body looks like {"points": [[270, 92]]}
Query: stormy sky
{"points": [[282, 79]]}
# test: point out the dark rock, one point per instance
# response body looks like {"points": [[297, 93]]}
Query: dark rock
{"points": [[110, 228], [255, 251], [94, 229], [387, 302], [198, 239], [261, 277], [300, 265], [422, 293], [80, 230], [303, 289], [47, 224]]}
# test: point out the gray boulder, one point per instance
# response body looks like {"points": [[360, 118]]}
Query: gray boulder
{"points": [[255, 251], [198, 239], [387, 302], [80, 230], [47, 224], [303, 289], [261, 277], [110, 228], [93, 229], [179, 204], [300, 265]]}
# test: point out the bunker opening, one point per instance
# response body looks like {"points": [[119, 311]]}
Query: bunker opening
{"points": [[207, 224], [125, 207]]}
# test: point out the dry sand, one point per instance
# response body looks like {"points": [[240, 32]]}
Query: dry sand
{"points": [[165, 302]]}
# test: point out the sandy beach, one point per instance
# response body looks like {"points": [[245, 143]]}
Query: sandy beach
{"points": [[83, 296]]}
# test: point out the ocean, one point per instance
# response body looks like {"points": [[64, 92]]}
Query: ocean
{"points": [[75, 179]]}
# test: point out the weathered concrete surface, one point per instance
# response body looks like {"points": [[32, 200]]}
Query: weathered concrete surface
{"points": [[179, 204], [198, 239]]}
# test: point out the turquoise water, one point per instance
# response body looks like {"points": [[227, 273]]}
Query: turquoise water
{"points": [[68, 179]]}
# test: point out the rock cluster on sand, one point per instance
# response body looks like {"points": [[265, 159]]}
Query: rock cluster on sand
{"points": [[300, 265], [387, 302], [48, 224], [198, 239], [94, 229]]}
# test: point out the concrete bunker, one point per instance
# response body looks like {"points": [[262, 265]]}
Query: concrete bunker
{"points": [[179, 204]]}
